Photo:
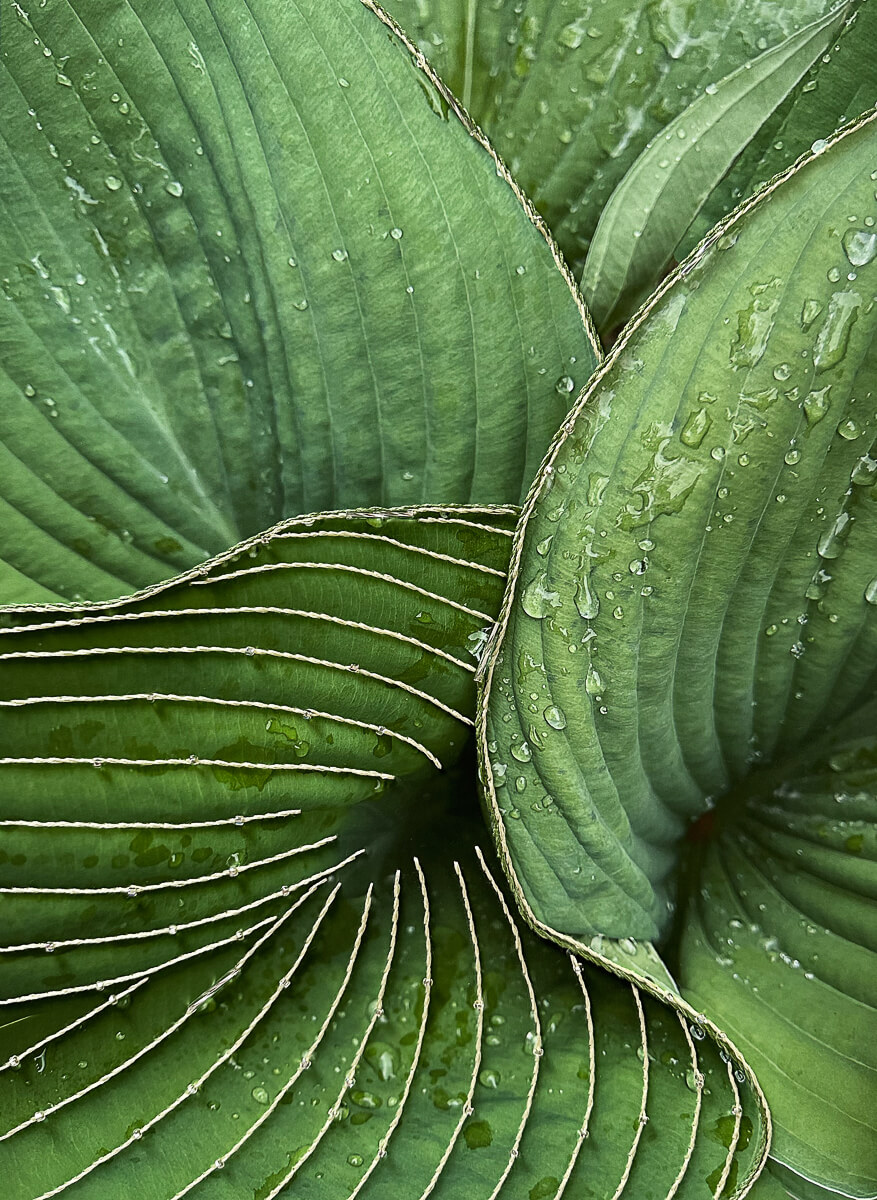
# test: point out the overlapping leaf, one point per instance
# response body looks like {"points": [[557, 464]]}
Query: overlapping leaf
{"points": [[646, 216], [694, 598], [779, 937], [248, 947], [841, 85], [572, 93], [252, 265]]}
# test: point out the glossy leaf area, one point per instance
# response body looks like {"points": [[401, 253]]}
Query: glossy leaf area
{"points": [[249, 949], [693, 606], [253, 265], [779, 938], [571, 93], [665, 189], [841, 85]]}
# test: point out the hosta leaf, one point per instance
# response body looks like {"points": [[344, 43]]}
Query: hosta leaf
{"points": [[571, 94], [252, 265], [841, 85], [248, 948], [779, 938], [694, 587], [663, 191]]}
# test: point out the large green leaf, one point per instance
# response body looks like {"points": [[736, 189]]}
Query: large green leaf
{"points": [[572, 93], [662, 193], [694, 587], [841, 85], [248, 947], [780, 938], [253, 264]]}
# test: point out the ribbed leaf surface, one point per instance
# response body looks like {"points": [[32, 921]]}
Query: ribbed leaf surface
{"points": [[248, 948], [694, 597], [572, 93], [253, 265], [780, 938], [662, 193], [841, 85]]}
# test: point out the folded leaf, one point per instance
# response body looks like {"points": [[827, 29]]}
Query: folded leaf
{"points": [[264, 269], [248, 947], [694, 586], [779, 947], [662, 193], [841, 85], [571, 94]]}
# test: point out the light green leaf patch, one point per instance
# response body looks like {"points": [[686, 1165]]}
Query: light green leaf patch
{"points": [[662, 193], [694, 603], [571, 94], [841, 85], [253, 265]]}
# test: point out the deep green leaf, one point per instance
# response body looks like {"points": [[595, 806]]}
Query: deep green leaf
{"points": [[662, 193], [694, 593], [253, 265], [363, 1017]]}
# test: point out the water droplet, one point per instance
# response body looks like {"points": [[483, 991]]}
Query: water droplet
{"points": [[594, 684], [565, 385], [520, 269], [782, 371], [849, 430], [819, 146], [339, 255], [865, 471], [871, 591], [112, 183], [587, 602], [574, 34], [817, 404], [544, 546], [695, 428], [522, 752], [354, 1160], [538, 599], [834, 336], [396, 234], [554, 716], [174, 188], [809, 313], [489, 1079], [754, 324], [860, 246], [830, 545]]}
